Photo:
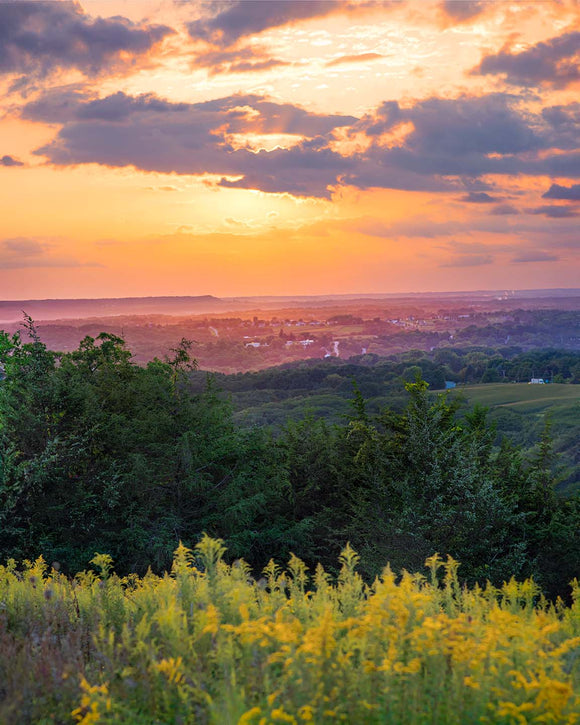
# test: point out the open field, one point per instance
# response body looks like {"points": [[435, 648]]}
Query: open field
{"points": [[523, 397], [521, 412]]}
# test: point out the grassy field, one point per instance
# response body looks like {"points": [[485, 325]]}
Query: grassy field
{"points": [[524, 397], [521, 412]]}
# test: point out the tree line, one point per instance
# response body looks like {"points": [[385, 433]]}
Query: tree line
{"points": [[100, 454]]}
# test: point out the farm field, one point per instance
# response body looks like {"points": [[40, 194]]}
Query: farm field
{"points": [[521, 412], [523, 396]]}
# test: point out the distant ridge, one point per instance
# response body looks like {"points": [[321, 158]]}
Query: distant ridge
{"points": [[50, 309], [58, 309]]}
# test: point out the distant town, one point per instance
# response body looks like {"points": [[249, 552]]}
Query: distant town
{"points": [[243, 334]]}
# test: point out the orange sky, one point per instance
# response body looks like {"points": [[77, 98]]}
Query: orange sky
{"points": [[242, 148]]}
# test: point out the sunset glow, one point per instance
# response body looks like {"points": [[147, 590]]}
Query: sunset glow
{"points": [[160, 147]]}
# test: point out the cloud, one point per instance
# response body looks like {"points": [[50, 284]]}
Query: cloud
{"points": [[62, 104], [478, 197], [37, 38], [504, 210], [302, 170], [469, 260], [566, 193], [242, 18], [23, 246], [535, 256], [553, 62], [360, 58], [449, 145], [239, 113], [556, 212], [26, 252], [416, 227], [156, 135], [564, 123], [462, 11], [224, 32], [490, 124], [240, 60], [10, 161], [469, 137]]}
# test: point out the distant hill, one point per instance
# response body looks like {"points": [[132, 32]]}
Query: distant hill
{"points": [[11, 311]]}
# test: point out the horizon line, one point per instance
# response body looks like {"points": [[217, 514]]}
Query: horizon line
{"points": [[231, 298]]}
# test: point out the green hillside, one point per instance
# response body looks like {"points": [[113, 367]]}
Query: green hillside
{"points": [[521, 412], [524, 397]]}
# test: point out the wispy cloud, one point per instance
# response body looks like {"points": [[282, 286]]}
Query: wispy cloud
{"points": [[239, 19], [535, 256], [249, 59], [555, 211], [356, 58], [27, 252], [469, 260]]}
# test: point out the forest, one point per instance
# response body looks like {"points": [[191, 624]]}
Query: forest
{"points": [[99, 454]]}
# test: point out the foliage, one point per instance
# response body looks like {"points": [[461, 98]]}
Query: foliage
{"points": [[209, 644], [100, 454], [97, 453]]}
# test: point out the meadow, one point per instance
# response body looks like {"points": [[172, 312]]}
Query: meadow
{"points": [[208, 643], [521, 411], [525, 398]]}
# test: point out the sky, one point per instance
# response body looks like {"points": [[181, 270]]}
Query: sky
{"points": [[263, 147]]}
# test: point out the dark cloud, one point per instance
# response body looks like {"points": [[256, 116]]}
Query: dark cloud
{"points": [[239, 113], [39, 37], [360, 58], [554, 62], [449, 145], [566, 193], [462, 10], [10, 161], [470, 137], [119, 107], [566, 165], [452, 142], [269, 117], [243, 18], [60, 105], [535, 256], [504, 210], [57, 105], [156, 135], [490, 124], [386, 170], [556, 212], [302, 171], [564, 122], [478, 197]]}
